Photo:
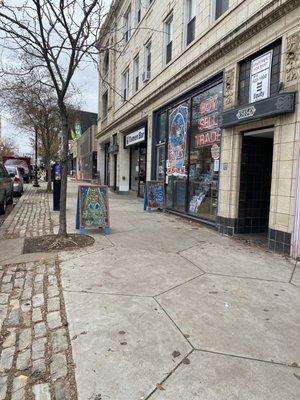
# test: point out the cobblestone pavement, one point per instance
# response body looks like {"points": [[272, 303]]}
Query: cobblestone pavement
{"points": [[36, 358], [30, 217]]}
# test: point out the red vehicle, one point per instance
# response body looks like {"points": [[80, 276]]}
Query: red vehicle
{"points": [[22, 162]]}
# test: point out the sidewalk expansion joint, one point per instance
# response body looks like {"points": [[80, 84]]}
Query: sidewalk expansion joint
{"points": [[191, 262], [180, 284], [248, 358], [169, 375], [247, 277], [171, 319], [108, 294], [293, 272]]}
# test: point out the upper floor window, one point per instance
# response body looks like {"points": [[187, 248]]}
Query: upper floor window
{"points": [[138, 11], [106, 62], [147, 73], [221, 7], [105, 104], [127, 25], [136, 72], [259, 75], [168, 38], [190, 20], [125, 84]]}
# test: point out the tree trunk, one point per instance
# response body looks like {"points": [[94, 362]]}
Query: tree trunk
{"points": [[48, 170], [64, 172]]}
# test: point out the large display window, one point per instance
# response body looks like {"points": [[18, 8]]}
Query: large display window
{"points": [[188, 141], [205, 154], [177, 157]]}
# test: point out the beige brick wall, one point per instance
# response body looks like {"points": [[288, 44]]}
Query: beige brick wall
{"points": [[208, 33]]}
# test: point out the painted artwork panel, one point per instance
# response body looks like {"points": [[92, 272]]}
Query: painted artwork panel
{"points": [[178, 121], [94, 207], [155, 193]]}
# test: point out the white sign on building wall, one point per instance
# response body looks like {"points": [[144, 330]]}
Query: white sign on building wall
{"points": [[135, 137], [260, 77]]}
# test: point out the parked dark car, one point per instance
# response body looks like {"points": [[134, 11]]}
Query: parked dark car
{"points": [[16, 174], [6, 189]]}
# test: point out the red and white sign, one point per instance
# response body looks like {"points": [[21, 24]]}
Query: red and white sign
{"points": [[215, 151], [208, 122], [209, 105], [208, 138]]}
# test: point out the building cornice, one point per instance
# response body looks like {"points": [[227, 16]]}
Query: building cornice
{"points": [[264, 18]]}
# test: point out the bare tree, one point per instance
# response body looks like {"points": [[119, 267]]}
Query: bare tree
{"points": [[56, 37], [35, 111], [7, 148]]}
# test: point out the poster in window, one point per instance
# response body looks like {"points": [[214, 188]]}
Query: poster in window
{"points": [[177, 141], [260, 77]]}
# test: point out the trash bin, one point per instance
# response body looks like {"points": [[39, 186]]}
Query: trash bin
{"points": [[56, 175]]}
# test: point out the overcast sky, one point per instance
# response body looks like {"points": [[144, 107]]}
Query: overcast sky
{"points": [[87, 83]]}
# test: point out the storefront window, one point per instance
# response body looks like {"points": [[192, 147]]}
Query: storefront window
{"points": [[177, 157], [160, 162], [161, 128], [205, 154]]}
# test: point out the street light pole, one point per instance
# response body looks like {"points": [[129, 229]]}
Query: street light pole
{"points": [[36, 182]]}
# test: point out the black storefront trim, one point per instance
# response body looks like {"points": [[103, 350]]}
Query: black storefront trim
{"points": [[271, 107], [278, 241]]}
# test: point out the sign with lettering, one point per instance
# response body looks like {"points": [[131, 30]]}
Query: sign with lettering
{"points": [[246, 112], [92, 207], [154, 196], [260, 76], [207, 138], [135, 137]]}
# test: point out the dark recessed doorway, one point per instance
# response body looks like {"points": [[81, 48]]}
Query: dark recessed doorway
{"points": [[255, 182]]}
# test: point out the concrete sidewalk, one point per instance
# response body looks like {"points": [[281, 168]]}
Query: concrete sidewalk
{"points": [[164, 309]]}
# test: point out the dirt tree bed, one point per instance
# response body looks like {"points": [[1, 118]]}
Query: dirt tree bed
{"points": [[49, 243]]}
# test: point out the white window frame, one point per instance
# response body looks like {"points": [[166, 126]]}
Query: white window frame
{"points": [[105, 111], [125, 85], [138, 8], [136, 73], [215, 18], [190, 13], [106, 57], [127, 18], [148, 46], [168, 37]]}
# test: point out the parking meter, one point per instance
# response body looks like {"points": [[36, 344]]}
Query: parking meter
{"points": [[56, 174]]}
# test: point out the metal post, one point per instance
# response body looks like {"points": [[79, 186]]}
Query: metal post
{"points": [[36, 182]]}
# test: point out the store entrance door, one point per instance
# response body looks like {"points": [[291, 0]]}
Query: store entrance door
{"points": [[255, 182], [134, 178], [138, 169], [106, 165], [115, 171]]}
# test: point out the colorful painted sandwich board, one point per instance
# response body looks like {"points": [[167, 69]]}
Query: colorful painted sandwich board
{"points": [[93, 208], [154, 197]]}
